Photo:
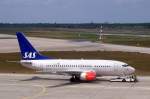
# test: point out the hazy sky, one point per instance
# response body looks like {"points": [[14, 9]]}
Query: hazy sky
{"points": [[74, 11]]}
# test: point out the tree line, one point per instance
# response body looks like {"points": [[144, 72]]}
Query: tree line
{"points": [[81, 25]]}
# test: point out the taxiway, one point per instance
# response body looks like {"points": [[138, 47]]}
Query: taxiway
{"points": [[36, 86], [9, 44]]}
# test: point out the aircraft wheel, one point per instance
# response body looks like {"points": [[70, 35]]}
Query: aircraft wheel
{"points": [[74, 79], [123, 80], [77, 79]]}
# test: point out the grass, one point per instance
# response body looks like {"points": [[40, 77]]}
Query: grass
{"points": [[64, 35], [56, 33], [86, 34], [128, 40], [137, 60], [9, 64]]}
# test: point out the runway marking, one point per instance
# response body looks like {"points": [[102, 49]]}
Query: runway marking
{"points": [[42, 92]]}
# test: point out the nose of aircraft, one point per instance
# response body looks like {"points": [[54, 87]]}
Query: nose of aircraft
{"points": [[131, 70]]}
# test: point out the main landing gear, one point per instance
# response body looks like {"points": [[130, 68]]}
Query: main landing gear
{"points": [[75, 78], [130, 78]]}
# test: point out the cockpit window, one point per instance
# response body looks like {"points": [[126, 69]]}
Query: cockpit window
{"points": [[125, 65]]}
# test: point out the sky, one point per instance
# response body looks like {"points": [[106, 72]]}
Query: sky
{"points": [[74, 11]]}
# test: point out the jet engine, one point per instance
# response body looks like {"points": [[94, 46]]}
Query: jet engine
{"points": [[88, 76]]}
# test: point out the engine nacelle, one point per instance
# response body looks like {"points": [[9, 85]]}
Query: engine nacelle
{"points": [[88, 76]]}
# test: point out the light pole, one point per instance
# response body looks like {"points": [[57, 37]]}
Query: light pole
{"points": [[100, 33]]}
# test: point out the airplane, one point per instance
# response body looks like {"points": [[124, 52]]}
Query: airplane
{"points": [[78, 69]]}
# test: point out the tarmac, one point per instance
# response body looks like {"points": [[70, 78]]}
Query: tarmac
{"points": [[38, 86], [10, 45]]}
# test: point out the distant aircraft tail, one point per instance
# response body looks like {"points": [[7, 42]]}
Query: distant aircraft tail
{"points": [[28, 52]]}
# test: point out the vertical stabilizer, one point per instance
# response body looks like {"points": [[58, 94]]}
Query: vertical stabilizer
{"points": [[28, 52]]}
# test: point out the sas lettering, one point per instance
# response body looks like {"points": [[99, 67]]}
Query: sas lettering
{"points": [[29, 55]]}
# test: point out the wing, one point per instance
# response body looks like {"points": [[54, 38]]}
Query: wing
{"points": [[74, 72]]}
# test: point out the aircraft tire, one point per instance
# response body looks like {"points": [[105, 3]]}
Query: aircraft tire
{"points": [[74, 79], [123, 80]]}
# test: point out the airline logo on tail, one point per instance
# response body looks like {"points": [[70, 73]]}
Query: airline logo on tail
{"points": [[28, 52], [29, 55]]}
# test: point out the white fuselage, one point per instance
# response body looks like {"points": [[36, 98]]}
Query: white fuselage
{"points": [[60, 66]]}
